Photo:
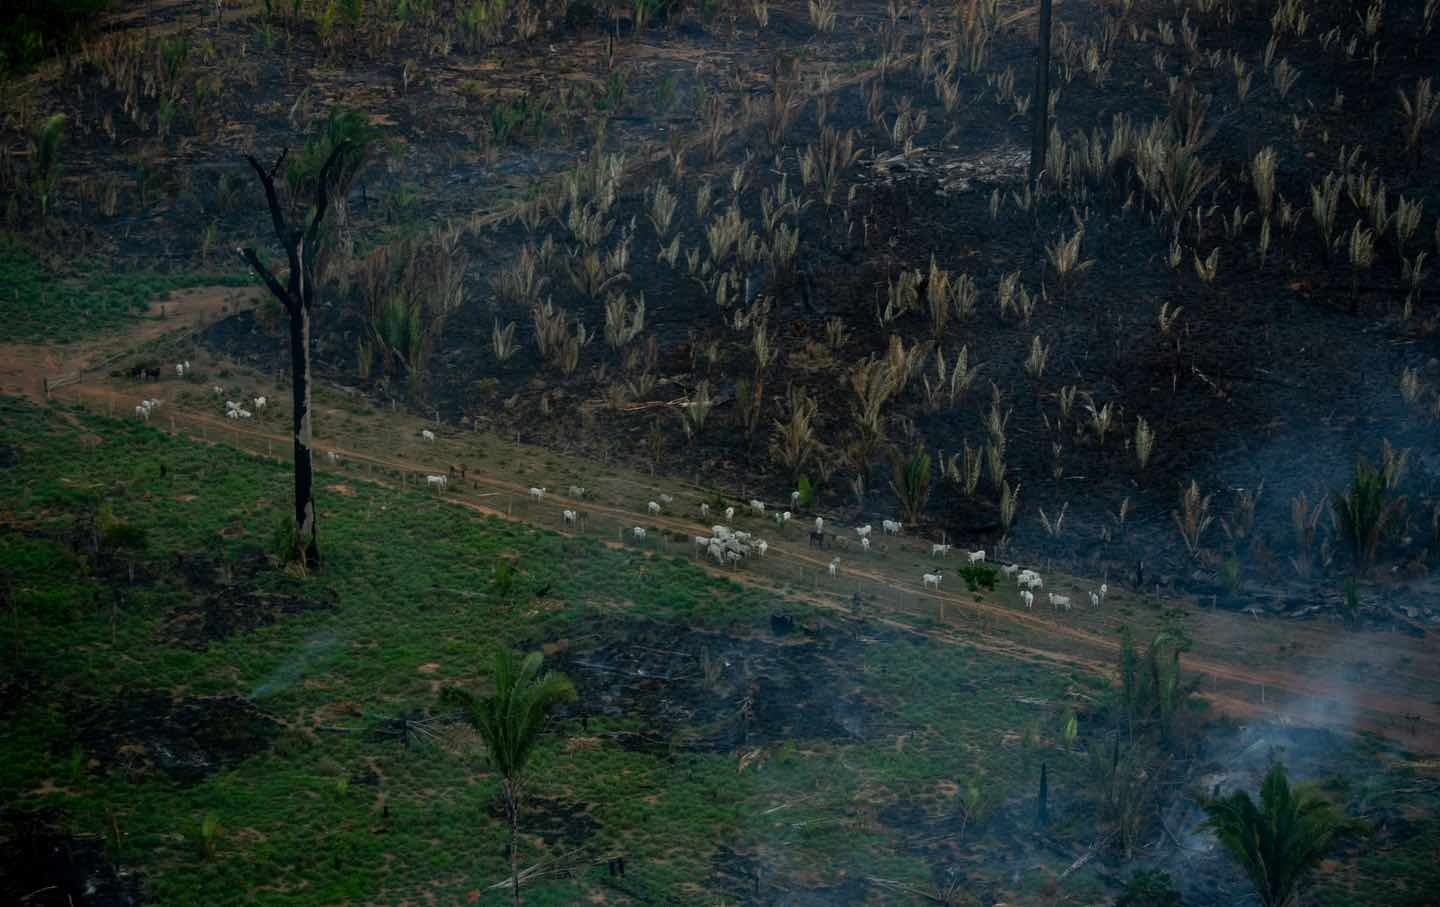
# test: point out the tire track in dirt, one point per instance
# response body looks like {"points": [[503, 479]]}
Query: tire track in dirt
{"points": [[1239, 690]]}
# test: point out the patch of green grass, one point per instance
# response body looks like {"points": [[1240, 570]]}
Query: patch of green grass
{"points": [[37, 304], [325, 815]]}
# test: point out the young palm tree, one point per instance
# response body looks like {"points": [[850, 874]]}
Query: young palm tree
{"points": [[1366, 508], [45, 166], [510, 722], [910, 480], [1281, 840]]}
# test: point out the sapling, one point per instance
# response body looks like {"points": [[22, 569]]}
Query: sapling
{"points": [[1417, 112], [1057, 527], [1362, 256], [1036, 359], [1009, 505], [1144, 442], [1193, 517]]}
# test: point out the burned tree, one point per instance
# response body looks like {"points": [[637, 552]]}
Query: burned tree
{"points": [[297, 295], [1040, 133]]}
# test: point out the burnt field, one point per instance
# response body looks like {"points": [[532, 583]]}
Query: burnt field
{"points": [[747, 254], [788, 252]]}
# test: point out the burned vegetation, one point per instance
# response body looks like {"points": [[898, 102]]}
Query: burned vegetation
{"points": [[1159, 313]]}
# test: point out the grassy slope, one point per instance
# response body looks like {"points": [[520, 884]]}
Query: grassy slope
{"points": [[284, 813], [38, 305], [296, 833]]}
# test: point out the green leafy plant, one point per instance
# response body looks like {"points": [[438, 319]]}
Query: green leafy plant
{"points": [[910, 480], [978, 576], [286, 544], [45, 163], [1365, 508], [1350, 605], [1152, 690], [806, 489], [510, 722], [1278, 842], [502, 579], [361, 140], [207, 839]]}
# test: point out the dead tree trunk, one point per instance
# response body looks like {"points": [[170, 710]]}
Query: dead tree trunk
{"points": [[297, 294], [1041, 99]]}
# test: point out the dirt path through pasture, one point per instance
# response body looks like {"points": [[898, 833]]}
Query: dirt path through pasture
{"points": [[1236, 681], [23, 366]]}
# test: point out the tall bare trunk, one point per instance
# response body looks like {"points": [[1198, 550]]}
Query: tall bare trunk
{"points": [[1041, 99], [305, 516], [512, 803], [297, 294]]}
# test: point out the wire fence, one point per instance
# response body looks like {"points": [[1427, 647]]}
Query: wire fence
{"points": [[789, 566]]}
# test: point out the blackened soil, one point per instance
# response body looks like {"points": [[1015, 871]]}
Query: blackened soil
{"points": [[44, 867], [558, 822], [758, 689], [230, 611], [185, 739]]}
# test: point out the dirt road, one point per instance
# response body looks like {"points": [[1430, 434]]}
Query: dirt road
{"points": [[1235, 682], [23, 365]]}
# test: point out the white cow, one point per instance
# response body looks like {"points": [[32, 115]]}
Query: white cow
{"points": [[639, 533], [142, 412], [863, 531], [259, 403], [654, 508], [977, 557], [932, 579], [865, 543], [427, 434], [538, 494], [757, 506], [835, 566], [762, 546], [890, 527], [437, 482], [1028, 598], [729, 514], [794, 499], [1057, 601], [1094, 599], [704, 510], [940, 550], [819, 524], [569, 516]]}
